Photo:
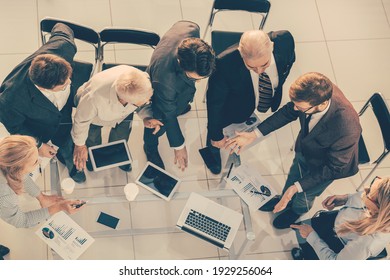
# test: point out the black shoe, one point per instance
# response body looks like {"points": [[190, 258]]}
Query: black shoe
{"points": [[126, 167], [89, 165], [3, 251], [270, 205], [154, 157], [297, 253], [186, 110], [77, 176], [285, 219], [211, 159]]}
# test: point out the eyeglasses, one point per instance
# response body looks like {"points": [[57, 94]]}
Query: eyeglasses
{"points": [[304, 110]]}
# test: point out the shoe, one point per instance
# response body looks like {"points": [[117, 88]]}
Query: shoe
{"points": [[154, 157], [186, 110], [126, 167], [3, 251], [270, 205], [285, 219], [212, 160], [297, 253], [89, 165], [77, 176]]}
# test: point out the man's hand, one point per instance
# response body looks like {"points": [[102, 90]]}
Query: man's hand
{"points": [[47, 151], [153, 123], [304, 230], [80, 157], [242, 140], [219, 144], [287, 196], [181, 158]]}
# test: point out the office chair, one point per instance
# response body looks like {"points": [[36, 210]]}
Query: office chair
{"points": [[221, 40], [114, 35], [82, 70], [382, 116]]}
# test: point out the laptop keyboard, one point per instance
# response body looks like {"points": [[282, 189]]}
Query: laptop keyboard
{"points": [[207, 225]]}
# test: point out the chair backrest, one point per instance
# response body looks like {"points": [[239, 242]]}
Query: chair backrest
{"points": [[382, 116], [115, 35], [220, 40]]}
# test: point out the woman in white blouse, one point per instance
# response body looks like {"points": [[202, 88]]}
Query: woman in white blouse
{"points": [[361, 229], [18, 158]]}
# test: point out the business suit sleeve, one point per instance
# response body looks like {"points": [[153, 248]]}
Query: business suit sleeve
{"points": [[340, 153], [166, 104], [14, 120], [145, 112], [280, 118], [217, 93]]}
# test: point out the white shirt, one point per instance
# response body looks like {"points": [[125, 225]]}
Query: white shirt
{"points": [[58, 98], [272, 73]]}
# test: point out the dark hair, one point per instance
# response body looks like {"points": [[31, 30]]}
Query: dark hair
{"points": [[48, 71], [195, 55], [312, 87]]}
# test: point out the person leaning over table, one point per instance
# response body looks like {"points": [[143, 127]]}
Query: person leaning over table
{"points": [[326, 148], [109, 99], [360, 230], [18, 158]]}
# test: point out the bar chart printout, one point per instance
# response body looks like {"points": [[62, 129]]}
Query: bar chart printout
{"points": [[65, 236]]}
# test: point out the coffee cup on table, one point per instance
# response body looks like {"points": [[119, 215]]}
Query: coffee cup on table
{"points": [[131, 191], [67, 185]]}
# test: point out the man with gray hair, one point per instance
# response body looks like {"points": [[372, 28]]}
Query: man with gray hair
{"points": [[110, 98], [248, 75]]}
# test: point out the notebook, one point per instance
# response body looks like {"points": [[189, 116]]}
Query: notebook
{"points": [[209, 221]]}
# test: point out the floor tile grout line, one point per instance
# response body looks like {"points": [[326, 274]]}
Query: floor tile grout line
{"points": [[326, 43], [181, 9], [387, 17]]}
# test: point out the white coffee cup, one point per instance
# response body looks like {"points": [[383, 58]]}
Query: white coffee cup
{"points": [[68, 185], [131, 191]]}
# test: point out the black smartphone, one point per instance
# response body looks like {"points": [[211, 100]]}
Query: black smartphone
{"points": [[108, 220]]}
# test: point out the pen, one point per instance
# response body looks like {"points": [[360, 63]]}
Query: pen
{"points": [[230, 170], [40, 169]]}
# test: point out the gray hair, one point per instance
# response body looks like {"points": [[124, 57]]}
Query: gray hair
{"points": [[133, 86], [254, 44]]}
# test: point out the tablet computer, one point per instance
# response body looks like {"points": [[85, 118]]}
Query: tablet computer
{"points": [[158, 181], [109, 155]]}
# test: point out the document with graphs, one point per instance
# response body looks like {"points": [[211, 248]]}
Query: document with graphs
{"points": [[65, 236], [250, 186]]}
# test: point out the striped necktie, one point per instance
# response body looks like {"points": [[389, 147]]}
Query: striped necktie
{"points": [[265, 93]]}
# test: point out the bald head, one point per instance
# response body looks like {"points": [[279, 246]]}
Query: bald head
{"points": [[256, 48]]}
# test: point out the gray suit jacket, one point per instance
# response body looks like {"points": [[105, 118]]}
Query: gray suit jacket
{"points": [[331, 147], [172, 89]]}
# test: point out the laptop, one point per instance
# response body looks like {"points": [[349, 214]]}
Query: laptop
{"points": [[109, 155], [209, 221]]}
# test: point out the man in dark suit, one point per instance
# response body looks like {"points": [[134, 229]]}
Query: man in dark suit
{"points": [[326, 148], [180, 59], [36, 98], [248, 75]]}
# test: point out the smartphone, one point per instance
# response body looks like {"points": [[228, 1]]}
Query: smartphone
{"points": [[108, 220]]}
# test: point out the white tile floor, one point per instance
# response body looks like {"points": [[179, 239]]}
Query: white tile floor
{"points": [[343, 39]]}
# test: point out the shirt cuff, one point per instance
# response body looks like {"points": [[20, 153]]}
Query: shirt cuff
{"points": [[312, 237], [299, 187], [180, 147]]}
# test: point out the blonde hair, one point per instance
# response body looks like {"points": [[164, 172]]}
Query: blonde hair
{"points": [[133, 86], [254, 44], [378, 221], [15, 151]]}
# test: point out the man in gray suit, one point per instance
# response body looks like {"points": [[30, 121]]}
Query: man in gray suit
{"points": [[326, 148], [180, 59]]}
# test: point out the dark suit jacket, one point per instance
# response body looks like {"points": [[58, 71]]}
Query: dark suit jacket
{"points": [[173, 91], [331, 147], [23, 108], [230, 94]]}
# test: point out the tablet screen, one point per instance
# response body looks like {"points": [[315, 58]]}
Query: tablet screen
{"points": [[110, 155], [158, 181]]}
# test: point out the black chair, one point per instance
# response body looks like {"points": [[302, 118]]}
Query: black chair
{"points": [[82, 70], [114, 35], [220, 40], [382, 116]]}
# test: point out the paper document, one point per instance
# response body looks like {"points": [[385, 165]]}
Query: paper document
{"points": [[250, 186], [65, 236]]}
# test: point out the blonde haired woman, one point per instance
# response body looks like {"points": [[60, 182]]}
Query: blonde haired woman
{"points": [[19, 157], [362, 226]]}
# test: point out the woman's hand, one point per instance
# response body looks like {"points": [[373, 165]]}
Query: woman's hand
{"points": [[48, 200], [334, 200]]}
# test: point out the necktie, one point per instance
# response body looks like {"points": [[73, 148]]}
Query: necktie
{"points": [[265, 93], [306, 125]]}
